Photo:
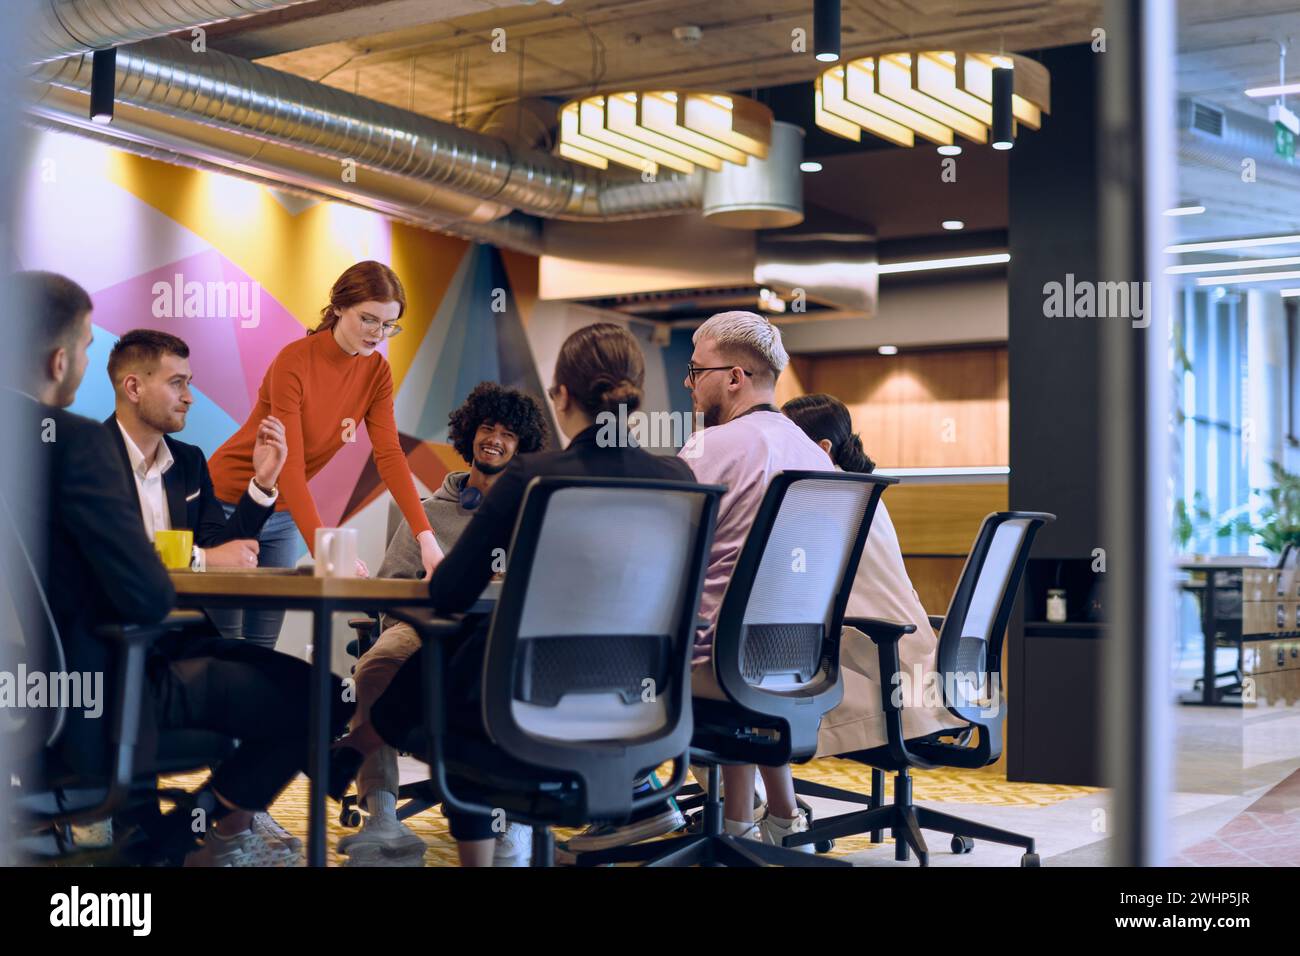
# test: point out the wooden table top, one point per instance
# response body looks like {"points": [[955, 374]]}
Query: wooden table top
{"points": [[275, 583]]}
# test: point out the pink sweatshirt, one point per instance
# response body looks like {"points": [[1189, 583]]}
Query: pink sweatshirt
{"points": [[742, 454]]}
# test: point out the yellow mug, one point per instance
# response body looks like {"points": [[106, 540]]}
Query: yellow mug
{"points": [[174, 547]]}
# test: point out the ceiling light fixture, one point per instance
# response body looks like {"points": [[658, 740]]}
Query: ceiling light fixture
{"points": [[1231, 244], [678, 130], [810, 166], [957, 262], [935, 95], [953, 225], [1290, 293], [1249, 277], [1201, 267], [888, 350], [103, 85], [826, 30], [1284, 89], [1004, 123]]}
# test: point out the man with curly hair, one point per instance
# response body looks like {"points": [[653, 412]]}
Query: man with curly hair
{"points": [[492, 426]]}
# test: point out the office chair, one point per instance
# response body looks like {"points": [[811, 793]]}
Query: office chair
{"points": [[970, 656], [48, 795], [586, 677], [775, 655]]}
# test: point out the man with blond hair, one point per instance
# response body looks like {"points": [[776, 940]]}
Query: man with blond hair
{"points": [[746, 440]]}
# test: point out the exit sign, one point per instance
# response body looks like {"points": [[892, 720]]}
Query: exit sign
{"points": [[1283, 142]]}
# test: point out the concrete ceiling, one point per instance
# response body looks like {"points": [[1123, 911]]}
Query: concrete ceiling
{"points": [[1224, 49]]}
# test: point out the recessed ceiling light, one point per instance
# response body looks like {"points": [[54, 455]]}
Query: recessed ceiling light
{"points": [[810, 166], [1185, 211], [1003, 144], [953, 224], [888, 350], [953, 150]]}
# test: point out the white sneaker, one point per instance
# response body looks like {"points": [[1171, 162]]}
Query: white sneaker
{"points": [[775, 829], [514, 847], [242, 849], [746, 831], [269, 829], [383, 840]]}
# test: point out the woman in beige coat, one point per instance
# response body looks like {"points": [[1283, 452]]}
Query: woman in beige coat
{"points": [[881, 589]]}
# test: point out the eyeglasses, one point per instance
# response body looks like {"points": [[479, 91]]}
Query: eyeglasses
{"points": [[693, 370], [388, 328]]}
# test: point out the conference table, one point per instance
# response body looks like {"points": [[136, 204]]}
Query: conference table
{"points": [[290, 589]]}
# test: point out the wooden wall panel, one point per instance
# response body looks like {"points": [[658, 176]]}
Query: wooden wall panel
{"points": [[934, 579], [941, 518], [926, 409]]}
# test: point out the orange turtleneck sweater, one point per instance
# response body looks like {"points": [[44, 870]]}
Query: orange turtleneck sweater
{"points": [[322, 394]]}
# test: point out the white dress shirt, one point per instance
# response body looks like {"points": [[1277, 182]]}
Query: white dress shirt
{"points": [[153, 495], [149, 483]]}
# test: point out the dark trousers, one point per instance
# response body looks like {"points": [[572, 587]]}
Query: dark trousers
{"points": [[400, 710], [241, 690]]}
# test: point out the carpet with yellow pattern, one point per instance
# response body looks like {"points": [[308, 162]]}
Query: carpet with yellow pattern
{"points": [[988, 787]]}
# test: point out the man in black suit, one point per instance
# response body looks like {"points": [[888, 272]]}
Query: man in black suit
{"points": [[150, 372], [98, 566]]}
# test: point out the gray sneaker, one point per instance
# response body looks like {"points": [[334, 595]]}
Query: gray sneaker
{"points": [[383, 840], [242, 849], [269, 829]]}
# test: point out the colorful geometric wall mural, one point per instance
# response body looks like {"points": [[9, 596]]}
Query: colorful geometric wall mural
{"points": [[239, 270]]}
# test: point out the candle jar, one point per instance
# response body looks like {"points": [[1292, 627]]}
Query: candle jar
{"points": [[1056, 605]]}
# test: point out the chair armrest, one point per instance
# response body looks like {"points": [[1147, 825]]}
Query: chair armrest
{"points": [[363, 623], [886, 635], [936, 621], [881, 632], [429, 626], [142, 635], [681, 763]]}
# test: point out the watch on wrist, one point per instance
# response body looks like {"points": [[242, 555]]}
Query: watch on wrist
{"points": [[266, 491], [196, 563]]}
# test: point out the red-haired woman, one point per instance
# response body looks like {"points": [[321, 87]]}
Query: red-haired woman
{"points": [[322, 387]]}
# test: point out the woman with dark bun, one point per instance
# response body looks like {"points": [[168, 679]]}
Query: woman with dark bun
{"points": [[599, 369], [881, 589]]}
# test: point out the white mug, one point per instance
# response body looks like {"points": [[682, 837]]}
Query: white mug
{"points": [[336, 552]]}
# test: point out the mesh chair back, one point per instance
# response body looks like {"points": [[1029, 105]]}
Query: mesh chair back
{"points": [[589, 645], [777, 636], [970, 644]]}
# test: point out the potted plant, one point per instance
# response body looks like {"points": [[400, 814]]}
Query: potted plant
{"points": [[1278, 525]]}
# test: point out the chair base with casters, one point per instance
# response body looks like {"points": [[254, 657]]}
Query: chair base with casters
{"points": [[712, 847], [906, 820]]}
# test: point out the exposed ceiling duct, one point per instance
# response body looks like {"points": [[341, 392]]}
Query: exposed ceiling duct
{"points": [[165, 76], [1228, 163], [67, 27]]}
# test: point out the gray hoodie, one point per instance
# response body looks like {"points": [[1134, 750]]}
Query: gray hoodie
{"points": [[447, 519]]}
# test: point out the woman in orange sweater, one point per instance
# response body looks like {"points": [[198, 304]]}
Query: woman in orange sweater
{"points": [[322, 387]]}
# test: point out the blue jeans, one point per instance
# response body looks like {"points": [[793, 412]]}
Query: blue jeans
{"points": [[278, 547]]}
